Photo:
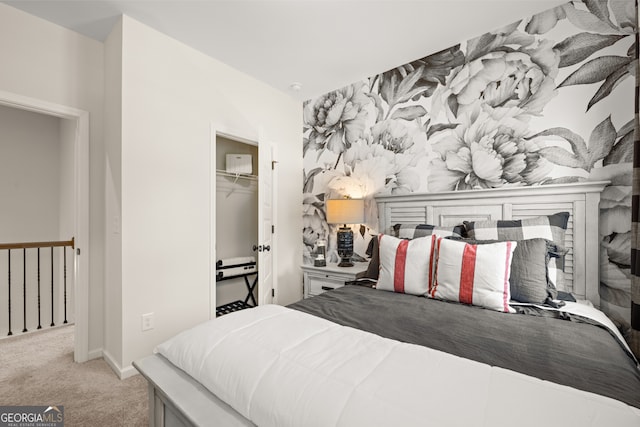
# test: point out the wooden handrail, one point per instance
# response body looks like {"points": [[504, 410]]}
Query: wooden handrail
{"points": [[38, 244]]}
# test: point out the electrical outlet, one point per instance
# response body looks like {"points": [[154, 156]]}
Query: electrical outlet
{"points": [[147, 322]]}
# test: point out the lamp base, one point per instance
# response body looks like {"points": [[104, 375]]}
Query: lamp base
{"points": [[345, 246], [345, 262]]}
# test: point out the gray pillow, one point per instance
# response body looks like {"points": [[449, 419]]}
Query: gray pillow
{"points": [[529, 280], [374, 264], [551, 227], [413, 231]]}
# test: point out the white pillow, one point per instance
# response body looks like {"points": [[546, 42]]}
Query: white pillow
{"points": [[474, 274], [406, 266]]}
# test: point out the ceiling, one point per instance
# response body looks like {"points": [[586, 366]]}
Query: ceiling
{"points": [[320, 44]]}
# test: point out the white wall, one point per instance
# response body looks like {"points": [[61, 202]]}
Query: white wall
{"points": [[29, 176], [171, 95], [47, 62], [113, 189]]}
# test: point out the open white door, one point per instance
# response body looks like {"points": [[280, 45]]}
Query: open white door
{"points": [[265, 223]]}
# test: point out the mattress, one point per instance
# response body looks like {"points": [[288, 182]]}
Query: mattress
{"points": [[280, 366]]}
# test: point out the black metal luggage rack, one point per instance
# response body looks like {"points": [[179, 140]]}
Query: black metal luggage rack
{"points": [[250, 269]]}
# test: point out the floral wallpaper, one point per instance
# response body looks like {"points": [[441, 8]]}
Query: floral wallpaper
{"points": [[548, 99]]}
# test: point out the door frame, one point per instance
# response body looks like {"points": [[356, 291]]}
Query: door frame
{"points": [[274, 213], [80, 208]]}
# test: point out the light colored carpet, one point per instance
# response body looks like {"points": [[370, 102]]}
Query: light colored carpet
{"points": [[38, 369]]}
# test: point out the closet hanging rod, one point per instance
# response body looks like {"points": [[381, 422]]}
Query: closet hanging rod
{"points": [[233, 175]]}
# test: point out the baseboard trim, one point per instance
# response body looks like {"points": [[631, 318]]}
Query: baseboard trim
{"points": [[112, 364], [122, 373], [95, 354], [128, 372]]}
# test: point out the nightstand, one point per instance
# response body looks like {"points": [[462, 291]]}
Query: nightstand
{"points": [[320, 279]]}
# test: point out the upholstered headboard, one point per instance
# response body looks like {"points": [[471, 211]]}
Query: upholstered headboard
{"points": [[581, 200]]}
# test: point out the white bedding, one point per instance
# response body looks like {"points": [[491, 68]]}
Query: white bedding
{"points": [[281, 367]]}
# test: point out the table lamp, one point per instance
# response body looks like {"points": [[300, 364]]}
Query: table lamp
{"points": [[345, 211]]}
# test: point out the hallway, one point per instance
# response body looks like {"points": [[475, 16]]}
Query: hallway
{"points": [[38, 369]]}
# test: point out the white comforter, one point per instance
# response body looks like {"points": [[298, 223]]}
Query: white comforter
{"points": [[281, 367]]}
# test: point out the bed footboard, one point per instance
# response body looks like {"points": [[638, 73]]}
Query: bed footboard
{"points": [[177, 400]]}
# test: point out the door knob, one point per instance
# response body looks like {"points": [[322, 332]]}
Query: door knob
{"points": [[257, 248], [267, 248]]}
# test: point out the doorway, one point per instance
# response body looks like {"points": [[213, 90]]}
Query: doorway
{"points": [[236, 224], [242, 229], [75, 125]]}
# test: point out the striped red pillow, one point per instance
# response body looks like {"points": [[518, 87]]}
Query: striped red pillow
{"points": [[406, 266], [474, 274]]}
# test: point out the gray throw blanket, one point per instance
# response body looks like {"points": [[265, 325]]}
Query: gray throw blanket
{"points": [[554, 347]]}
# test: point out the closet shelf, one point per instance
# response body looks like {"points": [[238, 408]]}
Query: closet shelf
{"points": [[239, 176]]}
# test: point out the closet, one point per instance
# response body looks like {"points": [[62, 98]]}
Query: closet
{"points": [[236, 224]]}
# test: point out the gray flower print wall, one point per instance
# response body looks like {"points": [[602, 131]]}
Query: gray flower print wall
{"points": [[548, 99]]}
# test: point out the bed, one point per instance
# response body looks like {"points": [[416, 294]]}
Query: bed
{"points": [[364, 356]]}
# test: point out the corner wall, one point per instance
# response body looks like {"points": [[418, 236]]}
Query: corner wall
{"points": [[171, 96], [113, 198]]}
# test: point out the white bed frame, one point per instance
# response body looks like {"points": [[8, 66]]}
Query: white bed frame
{"points": [[175, 399], [581, 200]]}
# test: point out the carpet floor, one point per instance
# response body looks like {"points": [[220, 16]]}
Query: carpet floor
{"points": [[38, 369]]}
